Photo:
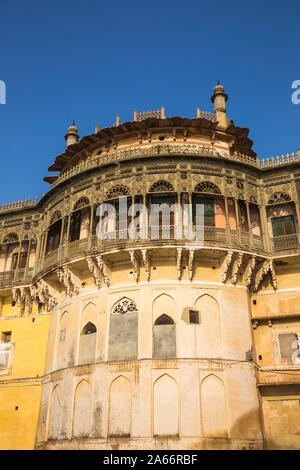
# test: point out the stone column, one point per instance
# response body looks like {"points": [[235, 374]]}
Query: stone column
{"points": [[249, 223], [228, 236], [28, 254], [264, 227], [237, 215], [90, 242]]}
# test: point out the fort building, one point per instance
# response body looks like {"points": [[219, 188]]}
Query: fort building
{"points": [[160, 341]]}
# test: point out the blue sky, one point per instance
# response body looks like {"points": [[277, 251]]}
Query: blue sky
{"points": [[89, 60]]}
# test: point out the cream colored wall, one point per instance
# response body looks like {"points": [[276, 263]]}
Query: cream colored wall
{"points": [[148, 385]]}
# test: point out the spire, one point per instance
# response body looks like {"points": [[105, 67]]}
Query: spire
{"points": [[72, 135]]}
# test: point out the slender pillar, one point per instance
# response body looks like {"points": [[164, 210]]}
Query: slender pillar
{"points": [[249, 223], [237, 215], [90, 242], [28, 254], [264, 228], [228, 236]]}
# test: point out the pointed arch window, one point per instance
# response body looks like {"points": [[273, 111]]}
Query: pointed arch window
{"points": [[124, 306], [164, 320], [88, 344], [164, 337]]}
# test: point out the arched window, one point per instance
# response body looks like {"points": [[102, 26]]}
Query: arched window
{"points": [[123, 331], [210, 189], [55, 217], [164, 320], [11, 238], [161, 186], [279, 198], [207, 187], [81, 203], [164, 337], [53, 238], [124, 306], [117, 191], [89, 329], [87, 344]]}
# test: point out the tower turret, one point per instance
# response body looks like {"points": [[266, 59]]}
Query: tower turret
{"points": [[72, 135], [219, 99]]}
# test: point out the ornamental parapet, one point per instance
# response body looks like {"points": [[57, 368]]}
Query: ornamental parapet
{"points": [[191, 150]]}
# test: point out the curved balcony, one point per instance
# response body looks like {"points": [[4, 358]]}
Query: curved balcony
{"points": [[19, 276], [164, 235], [149, 151]]}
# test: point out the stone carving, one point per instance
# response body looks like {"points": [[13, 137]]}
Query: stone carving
{"points": [[235, 268], [191, 263], [125, 305], [93, 267], [17, 297], [146, 260], [207, 187], [249, 271], [179, 263], [265, 267], [69, 280], [103, 269], [135, 264], [225, 266], [27, 298], [45, 295]]}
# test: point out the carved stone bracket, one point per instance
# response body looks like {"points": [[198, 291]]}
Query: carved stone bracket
{"points": [[69, 280], [93, 267], [146, 260], [235, 267], [103, 269], [249, 271], [179, 263], [225, 266], [27, 298], [191, 263], [265, 267], [17, 297], [135, 264], [43, 294]]}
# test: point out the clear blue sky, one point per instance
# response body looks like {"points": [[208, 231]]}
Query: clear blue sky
{"points": [[89, 60]]}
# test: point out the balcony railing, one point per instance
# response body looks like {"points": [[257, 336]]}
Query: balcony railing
{"points": [[8, 278], [285, 242], [173, 149]]}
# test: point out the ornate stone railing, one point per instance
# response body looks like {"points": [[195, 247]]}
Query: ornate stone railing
{"points": [[285, 242], [8, 278], [12, 206], [172, 149]]}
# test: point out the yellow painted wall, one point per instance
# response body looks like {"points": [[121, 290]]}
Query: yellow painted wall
{"points": [[18, 427], [30, 338]]}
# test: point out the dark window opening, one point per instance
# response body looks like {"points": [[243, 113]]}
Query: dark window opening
{"points": [[75, 226], [6, 337], [164, 320], [283, 225], [194, 316], [89, 329], [209, 210]]}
